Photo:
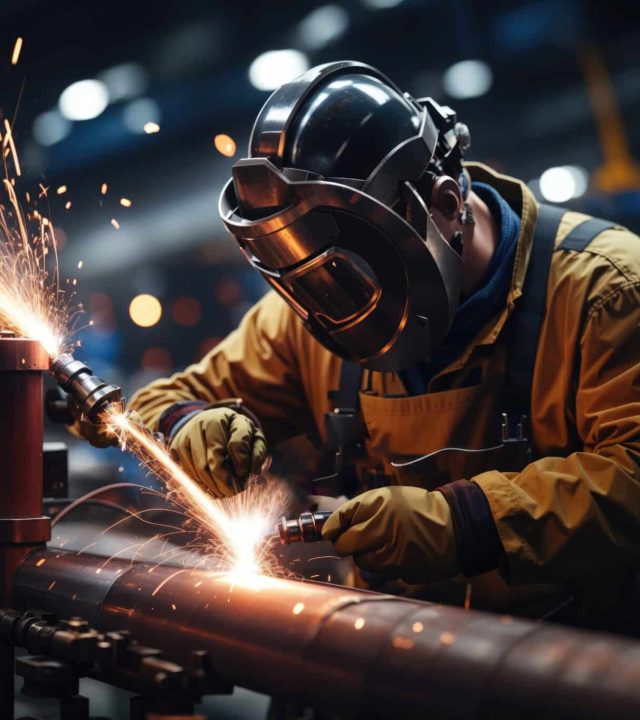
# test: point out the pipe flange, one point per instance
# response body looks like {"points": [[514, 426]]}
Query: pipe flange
{"points": [[19, 354], [25, 531]]}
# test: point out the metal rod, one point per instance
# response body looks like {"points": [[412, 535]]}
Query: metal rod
{"points": [[307, 527], [345, 650]]}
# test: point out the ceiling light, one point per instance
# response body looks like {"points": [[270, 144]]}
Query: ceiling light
{"points": [[84, 100], [322, 26], [381, 4], [276, 67], [125, 81], [559, 184], [50, 128], [467, 79]]}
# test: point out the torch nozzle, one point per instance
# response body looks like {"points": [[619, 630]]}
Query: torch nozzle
{"points": [[91, 394], [307, 527]]}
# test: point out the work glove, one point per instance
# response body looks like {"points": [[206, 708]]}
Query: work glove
{"points": [[220, 448], [95, 433], [397, 532]]}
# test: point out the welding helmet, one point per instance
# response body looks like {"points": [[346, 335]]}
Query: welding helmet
{"points": [[327, 208]]}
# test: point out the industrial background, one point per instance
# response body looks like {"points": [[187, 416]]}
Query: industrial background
{"points": [[127, 118]]}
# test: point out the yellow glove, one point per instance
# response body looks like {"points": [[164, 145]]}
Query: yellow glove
{"points": [[220, 448], [397, 532], [96, 434]]}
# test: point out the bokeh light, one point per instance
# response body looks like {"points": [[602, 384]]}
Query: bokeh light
{"points": [[186, 311], [225, 145], [156, 358], [145, 310]]}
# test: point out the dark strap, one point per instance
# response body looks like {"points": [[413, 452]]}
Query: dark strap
{"points": [[583, 234], [530, 311], [349, 387], [528, 315]]}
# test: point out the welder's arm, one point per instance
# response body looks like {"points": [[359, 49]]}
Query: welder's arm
{"points": [[257, 363], [566, 518]]}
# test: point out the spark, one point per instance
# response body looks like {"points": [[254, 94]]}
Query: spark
{"points": [[61, 190], [31, 302], [67, 205], [40, 562], [239, 525], [125, 202], [103, 189], [150, 128], [8, 141], [80, 264], [298, 608], [359, 623], [115, 223], [447, 638], [402, 643], [225, 145], [16, 51]]}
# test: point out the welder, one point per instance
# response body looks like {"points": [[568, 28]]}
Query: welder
{"points": [[468, 357]]}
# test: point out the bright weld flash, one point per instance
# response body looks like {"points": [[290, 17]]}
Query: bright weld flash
{"points": [[30, 300], [242, 534]]}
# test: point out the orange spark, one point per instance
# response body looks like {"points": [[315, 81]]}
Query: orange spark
{"points": [[115, 223], [225, 145], [125, 202], [8, 140], [31, 303], [103, 189], [240, 526], [16, 51], [67, 205]]}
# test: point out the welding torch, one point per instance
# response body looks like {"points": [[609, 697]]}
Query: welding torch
{"points": [[90, 393], [307, 527]]}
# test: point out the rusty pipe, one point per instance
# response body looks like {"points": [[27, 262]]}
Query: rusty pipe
{"points": [[344, 650], [22, 524]]}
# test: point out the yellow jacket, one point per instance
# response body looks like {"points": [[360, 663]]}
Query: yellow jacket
{"points": [[571, 514]]}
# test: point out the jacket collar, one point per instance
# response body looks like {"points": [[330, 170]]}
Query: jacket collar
{"points": [[521, 199]]}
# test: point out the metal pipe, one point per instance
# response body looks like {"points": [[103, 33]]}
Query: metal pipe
{"points": [[307, 527], [22, 525], [91, 394], [338, 649]]}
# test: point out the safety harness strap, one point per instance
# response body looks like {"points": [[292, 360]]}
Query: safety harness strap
{"points": [[581, 235], [343, 424], [529, 312]]}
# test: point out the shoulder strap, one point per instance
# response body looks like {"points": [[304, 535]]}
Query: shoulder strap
{"points": [[582, 234], [530, 311], [531, 307]]}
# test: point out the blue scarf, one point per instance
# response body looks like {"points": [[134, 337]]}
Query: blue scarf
{"points": [[485, 303]]}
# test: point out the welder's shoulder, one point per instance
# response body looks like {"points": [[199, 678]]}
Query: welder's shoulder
{"points": [[609, 265], [272, 317]]}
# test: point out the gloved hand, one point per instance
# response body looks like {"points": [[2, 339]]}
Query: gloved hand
{"points": [[220, 448], [96, 434], [397, 532]]}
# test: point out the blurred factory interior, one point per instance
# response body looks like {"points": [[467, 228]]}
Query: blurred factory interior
{"points": [[523, 75], [128, 117]]}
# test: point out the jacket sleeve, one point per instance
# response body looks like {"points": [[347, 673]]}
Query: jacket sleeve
{"points": [[569, 518], [257, 362]]}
